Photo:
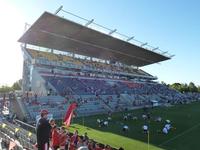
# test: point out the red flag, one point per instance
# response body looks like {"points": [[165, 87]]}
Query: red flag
{"points": [[69, 114], [12, 145]]}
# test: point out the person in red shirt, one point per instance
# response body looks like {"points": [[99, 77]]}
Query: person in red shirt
{"points": [[97, 147], [91, 145], [54, 135], [62, 138]]}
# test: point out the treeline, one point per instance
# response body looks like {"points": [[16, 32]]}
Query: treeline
{"points": [[183, 87], [15, 86]]}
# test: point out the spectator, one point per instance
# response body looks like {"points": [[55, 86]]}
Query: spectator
{"points": [[62, 138], [107, 147], [97, 147], [43, 131], [54, 135], [91, 145], [80, 142], [73, 141], [85, 137]]}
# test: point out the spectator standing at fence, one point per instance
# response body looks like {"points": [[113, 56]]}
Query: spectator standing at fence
{"points": [[43, 129]]}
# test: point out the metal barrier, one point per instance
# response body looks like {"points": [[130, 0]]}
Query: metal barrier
{"points": [[26, 126], [11, 132]]}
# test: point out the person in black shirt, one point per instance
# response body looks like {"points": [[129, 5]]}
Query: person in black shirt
{"points": [[43, 129]]}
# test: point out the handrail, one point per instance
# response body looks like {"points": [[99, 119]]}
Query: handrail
{"points": [[26, 126]]}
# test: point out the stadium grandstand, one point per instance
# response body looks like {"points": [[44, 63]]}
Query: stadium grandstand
{"points": [[77, 60], [65, 60]]}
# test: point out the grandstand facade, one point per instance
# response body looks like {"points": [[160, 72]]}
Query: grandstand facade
{"points": [[65, 61]]}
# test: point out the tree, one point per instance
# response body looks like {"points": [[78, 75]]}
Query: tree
{"points": [[176, 86], [184, 88], [192, 87], [163, 83], [16, 85], [5, 89], [199, 89]]}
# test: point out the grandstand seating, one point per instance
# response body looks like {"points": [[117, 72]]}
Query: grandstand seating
{"points": [[83, 63], [101, 86], [57, 105], [48, 56], [99, 95], [95, 93]]}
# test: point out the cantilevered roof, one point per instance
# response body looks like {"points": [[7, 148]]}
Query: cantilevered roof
{"points": [[55, 32]]}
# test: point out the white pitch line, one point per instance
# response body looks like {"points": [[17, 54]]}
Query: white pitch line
{"points": [[181, 134]]}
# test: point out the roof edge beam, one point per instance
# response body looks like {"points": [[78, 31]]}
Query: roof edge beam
{"points": [[130, 38], [113, 31], [164, 52], [155, 48], [171, 56], [143, 44], [58, 10], [89, 22]]}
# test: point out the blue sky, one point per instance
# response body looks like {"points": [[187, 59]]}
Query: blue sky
{"points": [[172, 25]]}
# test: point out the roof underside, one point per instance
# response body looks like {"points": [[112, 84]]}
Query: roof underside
{"points": [[54, 32]]}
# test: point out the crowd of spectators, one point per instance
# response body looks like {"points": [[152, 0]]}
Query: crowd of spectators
{"points": [[49, 135], [109, 93]]}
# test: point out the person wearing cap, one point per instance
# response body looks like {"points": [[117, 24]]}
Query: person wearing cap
{"points": [[43, 129]]}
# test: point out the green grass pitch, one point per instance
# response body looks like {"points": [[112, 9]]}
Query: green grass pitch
{"points": [[185, 118]]}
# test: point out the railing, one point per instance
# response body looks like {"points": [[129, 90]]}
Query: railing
{"points": [[26, 126], [22, 138]]}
